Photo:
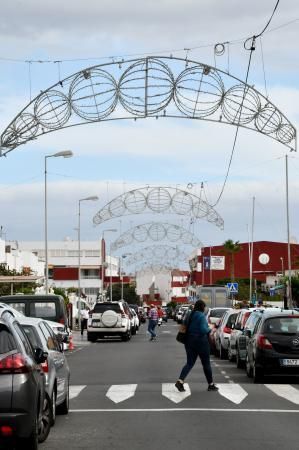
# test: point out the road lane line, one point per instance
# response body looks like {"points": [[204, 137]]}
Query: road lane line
{"points": [[76, 390], [170, 391], [237, 410], [233, 392], [121, 392], [285, 391]]}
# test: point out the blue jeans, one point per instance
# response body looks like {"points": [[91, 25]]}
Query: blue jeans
{"points": [[197, 346], [151, 327]]}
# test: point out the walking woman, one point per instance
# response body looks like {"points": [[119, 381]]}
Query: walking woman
{"points": [[197, 345]]}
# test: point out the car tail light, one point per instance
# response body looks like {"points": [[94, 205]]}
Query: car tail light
{"points": [[123, 315], [45, 366], [14, 364], [262, 342], [227, 330], [6, 430]]}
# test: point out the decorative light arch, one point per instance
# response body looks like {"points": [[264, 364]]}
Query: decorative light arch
{"points": [[157, 232], [153, 86], [157, 254], [158, 200]]}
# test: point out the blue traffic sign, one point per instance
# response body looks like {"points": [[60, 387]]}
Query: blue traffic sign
{"points": [[233, 288]]}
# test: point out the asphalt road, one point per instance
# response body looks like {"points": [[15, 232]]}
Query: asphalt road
{"points": [[123, 398]]}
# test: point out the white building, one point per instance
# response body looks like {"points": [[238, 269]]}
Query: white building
{"points": [[63, 261], [20, 260]]}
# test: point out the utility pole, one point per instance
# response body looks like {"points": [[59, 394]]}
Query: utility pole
{"points": [[289, 284]]}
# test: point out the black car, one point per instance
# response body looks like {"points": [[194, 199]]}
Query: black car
{"points": [[23, 406], [273, 345]]}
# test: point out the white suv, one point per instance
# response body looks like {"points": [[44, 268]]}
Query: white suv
{"points": [[109, 319]]}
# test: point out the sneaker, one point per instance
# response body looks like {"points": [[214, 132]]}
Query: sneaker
{"points": [[212, 387], [180, 386]]}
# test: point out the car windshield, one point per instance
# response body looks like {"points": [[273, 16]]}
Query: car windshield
{"points": [[43, 309], [282, 325], [218, 312], [102, 307]]}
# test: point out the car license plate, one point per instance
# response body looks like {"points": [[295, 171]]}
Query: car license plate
{"points": [[290, 362], [96, 323]]}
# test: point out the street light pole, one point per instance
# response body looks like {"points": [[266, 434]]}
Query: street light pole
{"points": [[111, 230], [282, 268], [93, 198], [122, 278], [64, 154]]}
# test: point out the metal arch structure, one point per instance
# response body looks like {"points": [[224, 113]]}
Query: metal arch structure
{"points": [[158, 200], [157, 254], [157, 232], [154, 268], [152, 86]]}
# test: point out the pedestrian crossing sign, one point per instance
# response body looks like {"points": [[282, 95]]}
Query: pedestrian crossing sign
{"points": [[233, 288]]}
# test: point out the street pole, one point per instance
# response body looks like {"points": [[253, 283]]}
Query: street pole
{"points": [[289, 287], [93, 198], [111, 230], [110, 273], [282, 268], [251, 250], [64, 154]]}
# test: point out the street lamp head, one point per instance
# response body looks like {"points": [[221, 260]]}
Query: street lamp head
{"points": [[93, 198], [64, 153]]}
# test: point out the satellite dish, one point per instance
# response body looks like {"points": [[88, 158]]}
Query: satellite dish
{"points": [[264, 258]]}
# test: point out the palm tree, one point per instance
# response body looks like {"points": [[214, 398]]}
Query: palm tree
{"points": [[230, 248]]}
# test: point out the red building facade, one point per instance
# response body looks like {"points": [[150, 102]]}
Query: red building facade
{"points": [[277, 264]]}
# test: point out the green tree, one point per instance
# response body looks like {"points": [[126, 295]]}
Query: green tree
{"points": [[230, 248], [5, 288], [130, 295]]}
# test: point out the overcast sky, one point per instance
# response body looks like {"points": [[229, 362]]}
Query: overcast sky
{"points": [[110, 158]]}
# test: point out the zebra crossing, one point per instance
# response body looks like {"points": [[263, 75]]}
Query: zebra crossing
{"points": [[234, 393]]}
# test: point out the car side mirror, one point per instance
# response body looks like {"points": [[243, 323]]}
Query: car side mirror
{"points": [[40, 356]]}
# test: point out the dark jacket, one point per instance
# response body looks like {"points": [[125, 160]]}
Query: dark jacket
{"points": [[197, 324]]}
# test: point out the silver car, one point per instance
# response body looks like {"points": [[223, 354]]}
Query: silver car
{"points": [[22, 387], [56, 368]]}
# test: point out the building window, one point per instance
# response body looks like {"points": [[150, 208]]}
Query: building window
{"points": [[91, 291], [94, 253]]}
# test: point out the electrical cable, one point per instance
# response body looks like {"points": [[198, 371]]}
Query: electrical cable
{"points": [[251, 49]]}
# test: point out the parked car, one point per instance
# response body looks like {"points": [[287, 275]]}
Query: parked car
{"points": [[223, 332], [134, 321], [273, 345], [48, 307], [56, 369], [109, 319], [215, 314], [180, 313], [241, 341], [237, 330], [23, 403]]}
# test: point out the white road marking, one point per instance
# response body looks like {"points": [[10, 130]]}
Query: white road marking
{"points": [[285, 391], [170, 391], [227, 377], [166, 332], [121, 392], [223, 372], [233, 392], [76, 390], [225, 410]]}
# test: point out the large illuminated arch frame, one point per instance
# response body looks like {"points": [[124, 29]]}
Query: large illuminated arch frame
{"points": [[156, 232], [160, 200], [148, 87]]}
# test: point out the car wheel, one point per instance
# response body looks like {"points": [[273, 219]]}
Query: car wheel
{"points": [[30, 443], [248, 368], [133, 331], [91, 337], [127, 336], [239, 361], [229, 354], [223, 352], [257, 374], [64, 407], [53, 404], [45, 425]]}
